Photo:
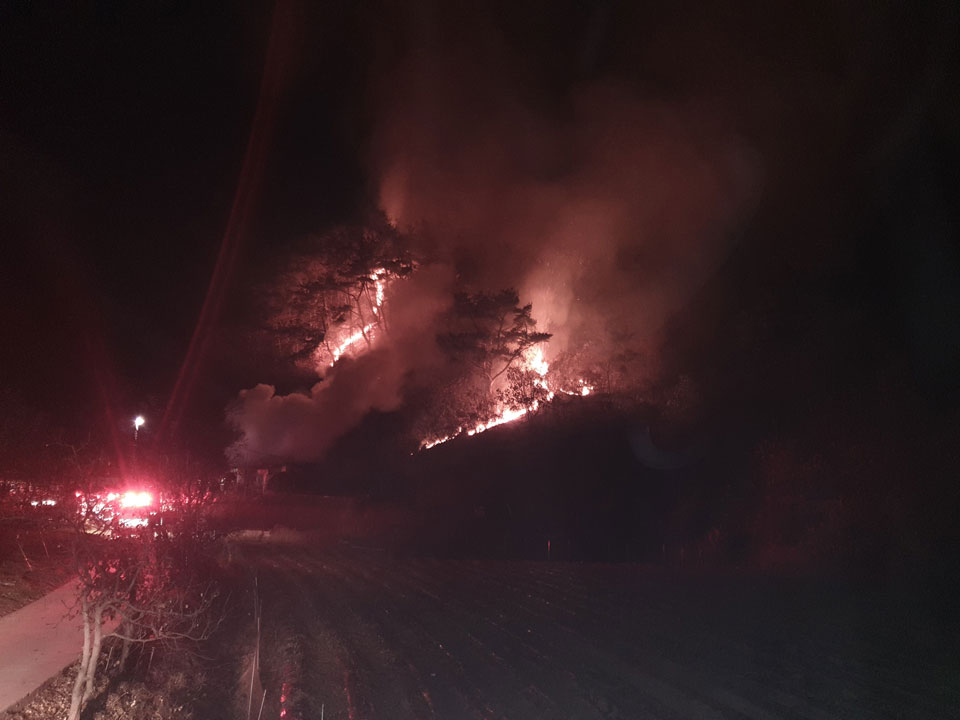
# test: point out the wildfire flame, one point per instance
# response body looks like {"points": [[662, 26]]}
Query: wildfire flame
{"points": [[532, 361], [535, 362], [380, 284]]}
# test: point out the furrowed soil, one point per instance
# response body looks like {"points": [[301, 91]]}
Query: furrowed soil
{"points": [[358, 633]]}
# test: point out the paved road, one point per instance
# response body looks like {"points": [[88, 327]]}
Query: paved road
{"points": [[37, 642]]}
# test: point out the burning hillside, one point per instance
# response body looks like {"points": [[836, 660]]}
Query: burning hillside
{"points": [[603, 216], [366, 333], [532, 363]]}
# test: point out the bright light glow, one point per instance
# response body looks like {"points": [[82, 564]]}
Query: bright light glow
{"points": [[133, 522], [135, 499], [48, 502], [536, 362], [138, 421], [502, 418], [427, 444], [339, 350], [375, 276]]}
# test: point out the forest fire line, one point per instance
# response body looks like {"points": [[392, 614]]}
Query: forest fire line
{"points": [[473, 358], [377, 277], [535, 362]]}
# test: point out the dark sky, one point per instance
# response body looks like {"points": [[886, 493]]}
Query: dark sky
{"points": [[125, 127]]}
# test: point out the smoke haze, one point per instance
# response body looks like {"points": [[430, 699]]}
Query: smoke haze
{"points": [[605, 216]]}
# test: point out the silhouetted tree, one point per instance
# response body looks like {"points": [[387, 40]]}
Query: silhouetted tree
{"points": [[490, 332], [486, 337], [327, 291]]}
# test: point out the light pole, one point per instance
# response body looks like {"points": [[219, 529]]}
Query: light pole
{"points": [[137, 422]]}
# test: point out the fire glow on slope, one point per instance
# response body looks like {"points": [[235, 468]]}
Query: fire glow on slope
{"points": [[534, 361], [377, 277]]}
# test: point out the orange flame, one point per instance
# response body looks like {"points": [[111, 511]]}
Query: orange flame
{"points": [[377, 277], [535, 362]]}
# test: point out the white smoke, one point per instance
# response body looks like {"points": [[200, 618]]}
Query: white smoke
{"points": [[301, 426]]}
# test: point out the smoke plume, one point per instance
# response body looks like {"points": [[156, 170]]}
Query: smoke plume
{"points": [[604, 208], [605, 219], [301, 426]]}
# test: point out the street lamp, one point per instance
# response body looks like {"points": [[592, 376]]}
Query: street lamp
{"points": [[137, 422]]}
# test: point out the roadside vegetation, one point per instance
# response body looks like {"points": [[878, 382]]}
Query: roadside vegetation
{"points": [[33, 561]]}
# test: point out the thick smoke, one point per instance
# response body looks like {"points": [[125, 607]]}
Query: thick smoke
{"points": [[301, 426], [606, 218], [604, 209]]}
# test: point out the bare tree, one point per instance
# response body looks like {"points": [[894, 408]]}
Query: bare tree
{"points": [[141, 589], [145, 583]]}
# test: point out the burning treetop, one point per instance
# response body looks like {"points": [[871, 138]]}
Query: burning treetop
{"points": [[351, 308], [331, 295]]}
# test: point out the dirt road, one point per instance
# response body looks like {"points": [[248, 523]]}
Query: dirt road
{"points": [[359, 634]]}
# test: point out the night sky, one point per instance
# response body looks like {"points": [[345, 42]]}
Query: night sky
{"points": [[131, 134]]}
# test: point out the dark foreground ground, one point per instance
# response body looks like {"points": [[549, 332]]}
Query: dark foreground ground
{"points": [[357, 633]]}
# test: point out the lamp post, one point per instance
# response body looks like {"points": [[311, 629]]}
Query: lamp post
{"points": [[137, 422]]}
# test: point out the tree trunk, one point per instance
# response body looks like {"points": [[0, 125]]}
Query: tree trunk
{"points": [[94, 652], [127, 632], [76, 697]]}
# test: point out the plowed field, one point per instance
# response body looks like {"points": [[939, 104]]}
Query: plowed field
{"points": [[352, 633]]}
